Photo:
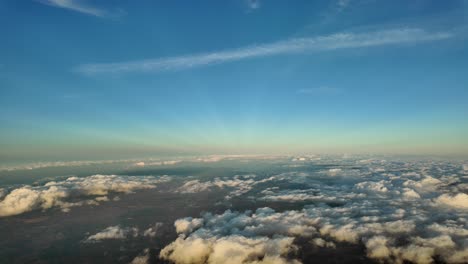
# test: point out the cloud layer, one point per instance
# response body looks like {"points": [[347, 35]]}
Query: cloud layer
{"points": [[295, 45], [398, 211]]}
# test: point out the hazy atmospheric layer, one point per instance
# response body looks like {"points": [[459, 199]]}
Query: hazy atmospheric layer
{"points": [[398, 210]]}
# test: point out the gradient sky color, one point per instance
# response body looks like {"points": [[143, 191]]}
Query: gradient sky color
{"points": [[105, 79]]}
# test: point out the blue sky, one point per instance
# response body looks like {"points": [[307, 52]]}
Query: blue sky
{"points": [[98, 79]]}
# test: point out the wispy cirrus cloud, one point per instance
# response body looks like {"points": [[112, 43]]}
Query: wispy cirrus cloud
{"points": [[343, 4], [78, 6], [321, 90], [289, 46], [253, 4]]}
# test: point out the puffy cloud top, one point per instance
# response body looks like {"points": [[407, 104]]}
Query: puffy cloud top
{"points": [[459, 200], [113, 232], [239, 185]]}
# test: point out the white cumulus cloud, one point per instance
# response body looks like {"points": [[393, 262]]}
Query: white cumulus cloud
{"points": [[86, 190], [113, 232], [459, 200]]}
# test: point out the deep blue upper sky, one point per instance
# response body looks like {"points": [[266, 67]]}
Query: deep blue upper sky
{"points": [[90, 79]]}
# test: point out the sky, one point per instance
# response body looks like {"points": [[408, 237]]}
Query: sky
{"points": [[107, 79]]}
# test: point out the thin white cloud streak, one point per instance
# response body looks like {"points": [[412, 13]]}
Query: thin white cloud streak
{"points": [[75, 5], [319, 90], [295, 45], [253, 4]]}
